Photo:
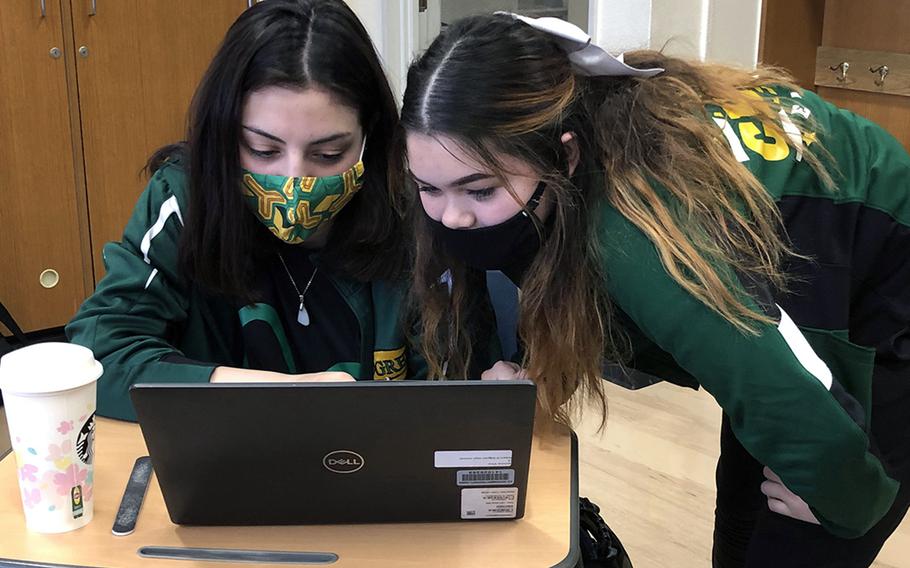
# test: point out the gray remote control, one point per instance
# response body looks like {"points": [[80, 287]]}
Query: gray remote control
{"points": [[125, 521]]}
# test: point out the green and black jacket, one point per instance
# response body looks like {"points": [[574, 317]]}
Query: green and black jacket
{"points": [[146, 324], [843, 341]]}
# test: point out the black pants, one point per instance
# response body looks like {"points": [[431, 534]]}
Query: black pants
{"points": [[748, 534]]}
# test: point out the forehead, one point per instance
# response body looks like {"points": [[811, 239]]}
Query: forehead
{"points": [[440, 160], [438, 155], [315, 110]]}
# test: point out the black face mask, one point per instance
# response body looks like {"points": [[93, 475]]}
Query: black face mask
{"points": [[509, 246]]}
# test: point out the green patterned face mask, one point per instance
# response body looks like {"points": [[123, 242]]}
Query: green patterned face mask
{"points": [[294, 207]]}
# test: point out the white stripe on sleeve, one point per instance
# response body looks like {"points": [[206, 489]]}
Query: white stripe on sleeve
{"points": [[168, 208], [803, 351]]}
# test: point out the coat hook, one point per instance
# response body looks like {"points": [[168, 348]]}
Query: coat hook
{"points": [[842, 67], [882, 71]]}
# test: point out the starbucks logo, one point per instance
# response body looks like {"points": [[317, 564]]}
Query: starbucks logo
{"points": [[85, 441]]}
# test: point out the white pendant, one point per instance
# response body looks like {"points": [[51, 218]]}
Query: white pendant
{"points": [[303, 316]]}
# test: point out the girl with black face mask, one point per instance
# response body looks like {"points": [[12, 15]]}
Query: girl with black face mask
{"points": [[701, 224], [509, 246]]}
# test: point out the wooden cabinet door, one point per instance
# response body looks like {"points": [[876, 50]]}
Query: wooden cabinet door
{"points": [[39, 209], [139, 64], [809, 37], [871, 25], [791, 31]]}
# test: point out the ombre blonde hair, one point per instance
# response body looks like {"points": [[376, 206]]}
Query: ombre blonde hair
{"points": [[648, 147]]}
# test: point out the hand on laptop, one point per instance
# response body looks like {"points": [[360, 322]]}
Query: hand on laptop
{"points": [[504, 371], [235, 375]]}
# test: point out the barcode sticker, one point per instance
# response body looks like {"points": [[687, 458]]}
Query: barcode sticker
{"points": [[486, 477], [489, 503], [472, 458]]}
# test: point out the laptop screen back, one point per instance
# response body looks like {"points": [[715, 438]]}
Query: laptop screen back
{"points": [[248, 454]]}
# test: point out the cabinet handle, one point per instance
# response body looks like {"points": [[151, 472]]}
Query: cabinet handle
{"points": [[43, 8], [882, 71], [93, 9]]}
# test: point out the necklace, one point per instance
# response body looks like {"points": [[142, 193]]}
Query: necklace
{"points": [[303, 316]]}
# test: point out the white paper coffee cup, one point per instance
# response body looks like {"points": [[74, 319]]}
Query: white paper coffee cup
{"points": [[49, 391]]}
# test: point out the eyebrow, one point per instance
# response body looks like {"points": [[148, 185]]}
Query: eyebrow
{"points": [[331, 138], [255, 130], [460, 181], [323, 140]]}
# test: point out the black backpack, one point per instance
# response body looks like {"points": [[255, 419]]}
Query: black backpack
{"points": [[600, 547]]}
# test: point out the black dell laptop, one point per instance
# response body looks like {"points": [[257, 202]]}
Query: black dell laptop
{"points": [[357, 452]]}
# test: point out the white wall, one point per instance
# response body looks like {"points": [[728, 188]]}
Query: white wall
{"points": [[680, 27], [725, 31], [620, 25], [734, 31], [370, 13], [393, 26]]}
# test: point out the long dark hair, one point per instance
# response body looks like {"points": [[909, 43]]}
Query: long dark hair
{"points": [[498, 87], [294, 44]]}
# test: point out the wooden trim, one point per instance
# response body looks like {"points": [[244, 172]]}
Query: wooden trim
{"points": [[763, 30], [79, 186], [859, 77]]}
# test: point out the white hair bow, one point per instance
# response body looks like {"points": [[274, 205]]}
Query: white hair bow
{"points": [[587, 58]]}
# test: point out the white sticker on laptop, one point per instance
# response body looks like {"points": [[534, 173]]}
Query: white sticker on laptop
{"points": [[489, 503], [473, 458], [486, 477]]}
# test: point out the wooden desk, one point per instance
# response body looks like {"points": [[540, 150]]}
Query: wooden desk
{"points": [[546, 536]]}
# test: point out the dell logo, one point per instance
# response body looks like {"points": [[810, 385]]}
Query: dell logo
{"points": [[343, 461]]}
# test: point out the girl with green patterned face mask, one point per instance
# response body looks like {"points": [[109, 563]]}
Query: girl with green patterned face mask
{"points": [[302, 154], [266, 246]]}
